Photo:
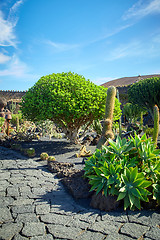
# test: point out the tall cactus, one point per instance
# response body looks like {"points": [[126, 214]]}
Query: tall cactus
{"points": [[107, 125], [17, 124], [156, 124], [120, 121]]}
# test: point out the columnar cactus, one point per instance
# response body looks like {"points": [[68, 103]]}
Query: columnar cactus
{"points": [[17, 124], [120, 122], [156, 124], [107, 125]]}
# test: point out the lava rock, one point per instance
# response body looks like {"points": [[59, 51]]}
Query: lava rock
{"points": [[104, 203]]}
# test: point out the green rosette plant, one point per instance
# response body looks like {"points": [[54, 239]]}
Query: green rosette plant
{"points": [[123, 165], [133, 188], [156, 192], [106, 179]]}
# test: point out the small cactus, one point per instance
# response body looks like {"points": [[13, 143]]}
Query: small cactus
{"points": [[51, 158], [12, 107], [44, 156], [107, 125], [30, 152], [156, 124], [17, 124]]}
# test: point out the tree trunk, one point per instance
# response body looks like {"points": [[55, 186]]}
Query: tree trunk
{"points": [[72, 135]]}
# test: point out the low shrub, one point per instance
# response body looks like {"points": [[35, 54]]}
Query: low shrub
{"points": [[129, 169], [14, 119], [149, 131]]}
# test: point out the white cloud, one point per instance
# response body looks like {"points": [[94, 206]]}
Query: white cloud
{"points": [[16, 68], [7, 36], [4, 58], [61, 47], [13, 11], [156, 39], [7, 26], [143, 8], [125, 50]]}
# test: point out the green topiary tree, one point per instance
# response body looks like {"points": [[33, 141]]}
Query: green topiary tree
{"points": [[146, 93], [132, 112], [67, 99]]}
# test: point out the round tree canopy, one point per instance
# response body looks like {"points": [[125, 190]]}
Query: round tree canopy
{"points": [[66, 98]]}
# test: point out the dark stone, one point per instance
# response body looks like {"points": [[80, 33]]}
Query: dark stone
{"points": [[77, 184], [87, 140], [104, 203], [95, 140], [62, 169], [72, 178], [132, 127]]}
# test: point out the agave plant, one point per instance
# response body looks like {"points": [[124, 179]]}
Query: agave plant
{"points": [[126, 168], [120, 147], [107, 179], [96, 160], [133, 188], [156, 192]]}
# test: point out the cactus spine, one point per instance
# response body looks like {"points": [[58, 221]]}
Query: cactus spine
{"points": [[107, 125], [156, 124]]}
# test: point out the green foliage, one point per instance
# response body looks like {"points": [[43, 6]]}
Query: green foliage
{"points": [[126, 168], [14, 119], [1, 121], [133, 188], [132, 111], [97, 126], [67, 99], [106, 178], [145, 93], [48, 128], [156, 192], [149, 131]]}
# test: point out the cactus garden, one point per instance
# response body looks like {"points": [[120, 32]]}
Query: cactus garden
{"points": [[66, 116]]}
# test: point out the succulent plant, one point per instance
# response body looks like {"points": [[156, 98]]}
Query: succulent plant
{"points": [[44, 156], [156, 124], [107, 125], [30, 152], [51, 158], [133, 188]]}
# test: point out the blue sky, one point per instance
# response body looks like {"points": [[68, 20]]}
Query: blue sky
{"points": [[99, 39]]}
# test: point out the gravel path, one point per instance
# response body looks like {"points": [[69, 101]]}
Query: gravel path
{"points": [[34, 205]]}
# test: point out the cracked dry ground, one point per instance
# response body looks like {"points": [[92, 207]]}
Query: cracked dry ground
{"points": [[34, 205]]}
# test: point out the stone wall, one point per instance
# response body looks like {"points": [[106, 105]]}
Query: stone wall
{"points": [[12, 95]]}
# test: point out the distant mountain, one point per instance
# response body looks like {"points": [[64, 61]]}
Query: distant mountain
{"points": [[125, 81]]}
